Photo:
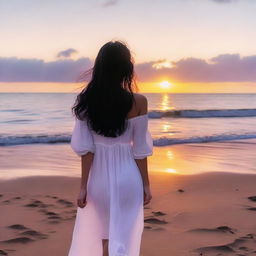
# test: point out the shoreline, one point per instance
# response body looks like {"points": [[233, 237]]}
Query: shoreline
{"points": [[60, 160]]}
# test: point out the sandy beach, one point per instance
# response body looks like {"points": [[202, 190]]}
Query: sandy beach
{"points": [[203, 214]]}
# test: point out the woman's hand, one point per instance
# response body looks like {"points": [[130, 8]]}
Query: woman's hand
{"points": [[81, 200], [147, 195]]}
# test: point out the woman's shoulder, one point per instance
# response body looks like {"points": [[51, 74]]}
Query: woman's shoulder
{"points": [[141, 103], [140, 97]]}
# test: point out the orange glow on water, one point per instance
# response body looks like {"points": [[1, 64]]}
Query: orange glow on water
{"points": [[144, 87]]}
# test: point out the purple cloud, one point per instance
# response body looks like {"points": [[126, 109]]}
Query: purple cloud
{"points": [[66, 53], [224, 1], [222, 68], [109, 3], [36, 70]]}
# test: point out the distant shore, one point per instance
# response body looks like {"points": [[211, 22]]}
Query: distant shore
{"points": [[207, 213]]}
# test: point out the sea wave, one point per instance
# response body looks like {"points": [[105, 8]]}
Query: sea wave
{"points": [[192, 113], [165, 141], [9, 140], [160, 141]]}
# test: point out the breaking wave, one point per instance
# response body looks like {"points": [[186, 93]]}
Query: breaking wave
{"points": [[191, 113], [162, 141]]}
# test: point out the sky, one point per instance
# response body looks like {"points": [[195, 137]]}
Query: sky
{"points": [[178, 45]]}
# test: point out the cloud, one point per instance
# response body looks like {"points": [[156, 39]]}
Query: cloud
{"points": [[221, 68], [224, 1], [36, 70], [163, 63], [66, 53], [109, 3]]}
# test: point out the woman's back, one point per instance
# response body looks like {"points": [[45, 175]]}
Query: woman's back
{"points": [[136, 136]]}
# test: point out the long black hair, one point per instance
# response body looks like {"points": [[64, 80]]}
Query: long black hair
{"points": [[108, 97]]}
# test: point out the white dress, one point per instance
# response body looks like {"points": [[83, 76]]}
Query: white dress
{"points": [[114, 207]]}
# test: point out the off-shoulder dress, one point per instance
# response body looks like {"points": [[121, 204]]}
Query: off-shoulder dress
{"points": [[114, 208]]}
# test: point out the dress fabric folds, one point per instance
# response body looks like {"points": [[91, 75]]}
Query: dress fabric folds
{"points": [[114, 207]]}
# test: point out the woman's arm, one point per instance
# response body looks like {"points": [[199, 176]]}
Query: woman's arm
{"points": [[86, 162], [142, 104], [143, 167]]}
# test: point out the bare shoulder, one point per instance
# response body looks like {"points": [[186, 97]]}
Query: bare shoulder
{"points": [[141, 103]]}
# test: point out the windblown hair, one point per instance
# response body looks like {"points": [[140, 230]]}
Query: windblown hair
{"points": [[108, 97]]}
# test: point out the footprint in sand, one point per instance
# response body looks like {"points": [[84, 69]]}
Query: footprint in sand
{"points": [[7, 201], [65, 215], [239, 246], [35, 234], [220, 229], [252, 198], [52, 216], [51, 213], [159, 213], [65, 202], [17, 227], [37, 203], [22, 240], [154, 228], [27, 231], [2, 252], [153, 220], [251, 208]]}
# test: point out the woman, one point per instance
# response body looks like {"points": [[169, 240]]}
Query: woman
{"points": [[111, 135]]}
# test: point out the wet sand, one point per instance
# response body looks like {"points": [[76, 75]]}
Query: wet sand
{"points": [[59, 159]]}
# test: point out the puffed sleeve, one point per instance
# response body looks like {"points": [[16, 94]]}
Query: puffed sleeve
{"points": [[142, 141], [81, 138]]}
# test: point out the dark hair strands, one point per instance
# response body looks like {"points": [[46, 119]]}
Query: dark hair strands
{"points": [[108, 97]]}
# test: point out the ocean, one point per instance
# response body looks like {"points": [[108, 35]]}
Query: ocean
{"points": [[192, 132], [29, 118]]}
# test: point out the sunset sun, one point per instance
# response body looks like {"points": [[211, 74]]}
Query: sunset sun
{"points": [[165, 84]]}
